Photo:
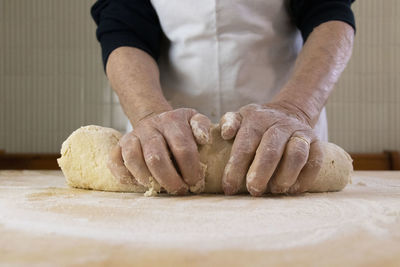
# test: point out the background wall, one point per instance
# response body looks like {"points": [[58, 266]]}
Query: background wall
{"points": [[364, 110], [52, 81]]}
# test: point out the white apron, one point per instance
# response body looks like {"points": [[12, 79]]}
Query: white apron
{"points": [[223, 54]]}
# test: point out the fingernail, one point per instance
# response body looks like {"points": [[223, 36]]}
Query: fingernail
{"points": [[207, 138], [294, 188], [224, 128], [229, 189], [255, 192], [276, 189], [198, 187], [181, 191]]}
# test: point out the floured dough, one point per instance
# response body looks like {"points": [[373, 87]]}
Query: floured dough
{"points": [[333, 176], [84, 157]]}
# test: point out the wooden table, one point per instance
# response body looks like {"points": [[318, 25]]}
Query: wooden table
{"points": [[43, 222]]}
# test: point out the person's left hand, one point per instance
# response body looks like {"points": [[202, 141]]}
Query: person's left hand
{"points": [[275, 149]]}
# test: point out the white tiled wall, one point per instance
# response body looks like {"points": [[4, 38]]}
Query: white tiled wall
{"points": [[52, 80], [364, 110], [51, 76]]}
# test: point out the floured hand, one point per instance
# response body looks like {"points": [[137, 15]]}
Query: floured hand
{"points": [[149, 151], [275, 150]]}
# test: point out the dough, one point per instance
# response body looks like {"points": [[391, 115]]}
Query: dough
{"points": [[333, 176], [84, 157]]}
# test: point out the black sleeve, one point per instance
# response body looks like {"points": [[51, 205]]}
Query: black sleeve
{"points": [[131, 23], [308, 14]]}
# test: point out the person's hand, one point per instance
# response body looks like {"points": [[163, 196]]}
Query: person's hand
{"points": [[275, 150], [146, 151]]}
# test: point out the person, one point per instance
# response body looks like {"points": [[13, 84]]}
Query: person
{"points": [[265, 68]]}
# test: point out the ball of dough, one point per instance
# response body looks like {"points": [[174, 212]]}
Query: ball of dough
{"points": [[336, 170], [84, 157]]}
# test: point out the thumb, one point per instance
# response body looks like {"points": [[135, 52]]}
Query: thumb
{"points": [[201, 126], [230, 124]]}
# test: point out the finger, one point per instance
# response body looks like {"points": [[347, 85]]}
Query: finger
{"points": [[230, 124], [293, 161], [267, 158], [156, 156], [310, 171], [184, 149], [201, 126], [133, 159], [117, 167], [242, 154]]}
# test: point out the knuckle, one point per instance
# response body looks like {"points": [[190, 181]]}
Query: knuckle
{"points": [[186, 153], [247, 138], [154, 138], [127, 139], [184, 144], [175, 115], [167, 116], [277, 133], [315, 160], [246, 150], [277, 187], [298, 156], [129, 153], [190, 111], [283, 183], [153, 159], [271, 154], [257, 128], [249, 108], [183, 113], [200, 118], [266, 160], [242, 152]]}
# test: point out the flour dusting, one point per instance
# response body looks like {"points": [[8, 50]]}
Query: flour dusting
{"points": [[197, 222]]}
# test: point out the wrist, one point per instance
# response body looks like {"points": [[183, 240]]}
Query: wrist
{"points": [[146, 110], [301, 105], [317, 69]]}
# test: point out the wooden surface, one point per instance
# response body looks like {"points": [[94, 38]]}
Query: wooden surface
{"points": [[28, 161], [388, 160], [43, 222]]}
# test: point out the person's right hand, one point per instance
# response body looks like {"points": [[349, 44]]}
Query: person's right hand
{"points": [[146, 151]]}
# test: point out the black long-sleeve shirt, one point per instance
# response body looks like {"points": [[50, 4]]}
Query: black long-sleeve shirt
{"points": [[135, 23]]}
